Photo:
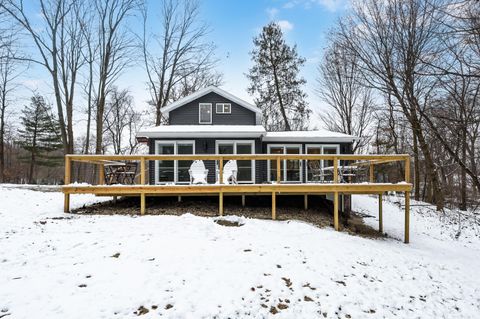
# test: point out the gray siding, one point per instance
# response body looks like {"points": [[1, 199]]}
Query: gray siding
{"points": [[207, 146], [188, 114]]}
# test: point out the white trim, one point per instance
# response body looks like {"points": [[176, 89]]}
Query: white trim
{"points": [[165, 110], [235, 142], [322, 147], [284, 146], [223, 105], [201, 130], [175, 163], [200, 113]]}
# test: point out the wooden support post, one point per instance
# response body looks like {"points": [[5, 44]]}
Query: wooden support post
{"points": [[142, 204], [407, 217], [335, 211], [279, 174], [407, 201], [305, 201], [115, 199], [371, 173], [68, 172], [335, 170], [380, 212], [101, 174], [220, 170], [179, 199], [274, 206], [243, 200], [220, 204], [142, 171]]}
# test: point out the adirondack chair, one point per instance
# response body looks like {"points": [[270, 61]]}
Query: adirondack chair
{"points": [[230, 170], [198, 173]]}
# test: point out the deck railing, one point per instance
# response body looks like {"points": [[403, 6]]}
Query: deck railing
{"points": [[335, 186]]}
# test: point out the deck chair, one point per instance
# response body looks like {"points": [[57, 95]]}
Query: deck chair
{"points": [[230, 170], [198, 173]]}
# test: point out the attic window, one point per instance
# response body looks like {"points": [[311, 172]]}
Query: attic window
{"points": [[205, 113], [224, 108]]}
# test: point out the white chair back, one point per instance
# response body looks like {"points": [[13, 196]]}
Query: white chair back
{"points": [[198, 172], [230, 170]]}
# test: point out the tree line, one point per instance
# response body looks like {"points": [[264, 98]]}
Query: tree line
{"points": [[405, 76]]}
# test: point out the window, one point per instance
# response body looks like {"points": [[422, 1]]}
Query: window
{"points": [[246, 168], [224, 108], [173, 171], [320, 170], [205, 113], [290, 170]]}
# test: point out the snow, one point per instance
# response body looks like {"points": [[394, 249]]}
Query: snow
{"points": [[109, 266], [196, 131], [308, 136]]}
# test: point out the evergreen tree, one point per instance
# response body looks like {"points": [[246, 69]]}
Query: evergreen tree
{"points": [[275, 82], [39, 136]]}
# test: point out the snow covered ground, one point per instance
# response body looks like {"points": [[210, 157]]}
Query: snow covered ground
{"points": [[54, 265]]}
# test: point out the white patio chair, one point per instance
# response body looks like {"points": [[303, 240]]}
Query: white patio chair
{"points": [[230, 170], [198, 173]]}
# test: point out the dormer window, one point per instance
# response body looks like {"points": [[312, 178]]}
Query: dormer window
{"points": [[205, 113], [224, 108]]}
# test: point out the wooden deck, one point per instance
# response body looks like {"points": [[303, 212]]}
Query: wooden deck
{"points": [[142, 189]]}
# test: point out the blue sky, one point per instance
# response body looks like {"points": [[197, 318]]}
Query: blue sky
{"points": [[233, 25]]}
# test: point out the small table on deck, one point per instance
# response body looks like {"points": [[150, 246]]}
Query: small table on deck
{"points": [[120, 173]]}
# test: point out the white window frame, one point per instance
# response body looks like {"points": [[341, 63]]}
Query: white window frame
{"points": [[322, 147], [284, 146], [175, 163], [223, 105], [200, 113], [235, 142]]}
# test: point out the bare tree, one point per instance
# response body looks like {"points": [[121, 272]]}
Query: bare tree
{"points": [[8, 74], [115, 51], [120, 120], [392, 39], [340, 84], [57, 43], [178, 56]]}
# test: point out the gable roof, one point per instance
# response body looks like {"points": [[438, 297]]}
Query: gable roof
{"points": [[165, 110]]}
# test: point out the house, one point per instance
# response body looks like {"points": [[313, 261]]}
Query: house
{"points": [[214, 126], [213, 121]]}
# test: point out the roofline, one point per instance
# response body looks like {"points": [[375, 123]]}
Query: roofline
{"points": [[202, 92]]}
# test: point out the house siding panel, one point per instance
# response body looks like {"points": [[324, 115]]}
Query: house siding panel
{"points": [[188, 114]]}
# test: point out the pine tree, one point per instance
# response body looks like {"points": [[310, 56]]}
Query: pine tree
{"points": [[39, 136], [275, 81]]}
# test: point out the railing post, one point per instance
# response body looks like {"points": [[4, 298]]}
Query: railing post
{"points": [[371, 173], [279, 174], [101, 174], [142, 171], [220, 171], [68, 172], [407, 169], [335, 170]]}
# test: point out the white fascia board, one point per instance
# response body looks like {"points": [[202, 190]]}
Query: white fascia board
{"points": [[310, 139]]}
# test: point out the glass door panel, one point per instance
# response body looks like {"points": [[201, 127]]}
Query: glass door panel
{"points": [[184, 166], [328, 164], [166, 169], [293, 167], [314, 172], [244, 173]]}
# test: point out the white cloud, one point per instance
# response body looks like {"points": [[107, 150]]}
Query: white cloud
{"points": [[330, 5], [272, 13], [285, 25]]}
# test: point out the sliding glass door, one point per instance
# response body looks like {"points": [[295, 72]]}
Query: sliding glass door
{"points": [[290, 170], [246, 168], [320, 170], [173, 171]]}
